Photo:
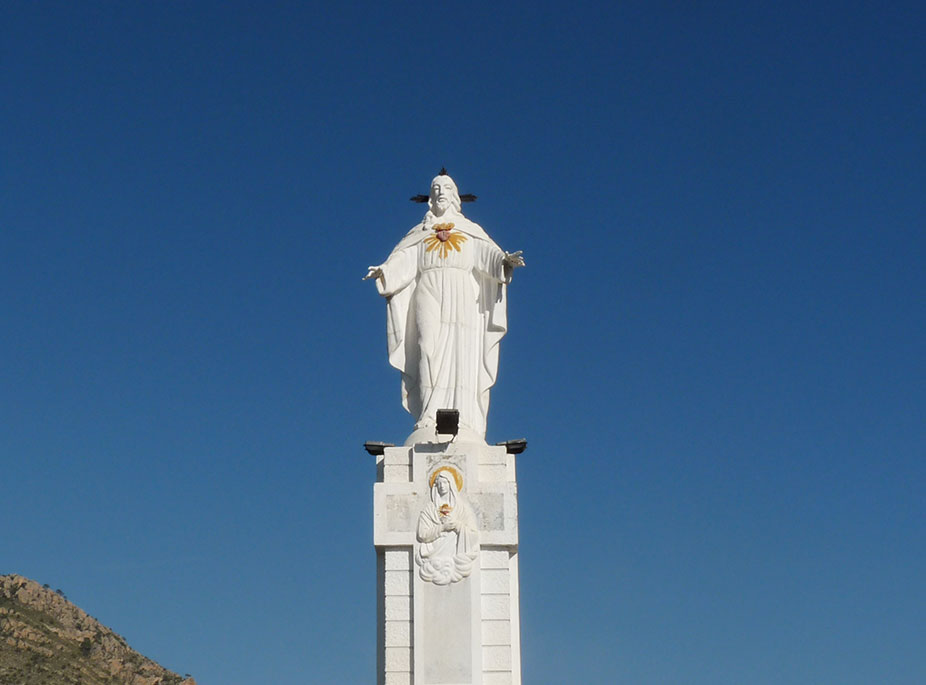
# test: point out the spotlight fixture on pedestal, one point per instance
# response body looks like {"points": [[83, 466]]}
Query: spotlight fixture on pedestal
{"points": [[448, 421]]}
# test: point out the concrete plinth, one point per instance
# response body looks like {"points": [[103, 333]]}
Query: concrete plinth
{"points": [[446, 537]]}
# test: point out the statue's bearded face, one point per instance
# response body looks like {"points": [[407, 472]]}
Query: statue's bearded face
{"points": [[442, 192]]}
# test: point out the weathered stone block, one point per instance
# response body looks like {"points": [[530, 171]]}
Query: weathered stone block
{"points": [[496, 607], [496, 633], [493, 558], [398, 583], [398, 634], [395, 473], [398, 659], [398, 678], [397, 456], [398, 560], [496, 658], [495, 582], [489, 473], [398, 608]]}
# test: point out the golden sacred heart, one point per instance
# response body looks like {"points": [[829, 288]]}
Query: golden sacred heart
{"points": [[444, 239]]}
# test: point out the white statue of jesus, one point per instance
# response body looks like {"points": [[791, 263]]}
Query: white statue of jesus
{"points": [[444, 285]]}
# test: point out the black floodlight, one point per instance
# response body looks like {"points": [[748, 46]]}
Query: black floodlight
{"points": [[514, 446], [376, 448], [448, 421]]}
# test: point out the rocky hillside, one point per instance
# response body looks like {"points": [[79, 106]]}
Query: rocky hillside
{"points": [[46, 640]]}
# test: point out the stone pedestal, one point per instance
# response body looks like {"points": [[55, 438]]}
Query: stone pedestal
{"points": [[446, 536]]}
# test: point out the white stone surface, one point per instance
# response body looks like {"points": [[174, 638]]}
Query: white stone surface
{"points": [[398, 608], [398, 583], [398, 633], [496, 607], [398, 659], [494, 558], [398, 678], [445, 286], [495, 581], [396, 560], [398, 501], [447, 532], [465, 632], [447, 631], [496, 632], [496, 658]]}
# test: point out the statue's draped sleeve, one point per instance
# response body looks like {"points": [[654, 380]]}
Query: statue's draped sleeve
{"points": [[397, 285], [491, 277], [399, 271], [490, 262]]}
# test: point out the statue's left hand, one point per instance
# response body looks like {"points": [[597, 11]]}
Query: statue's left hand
{"points": [[514, 259]]}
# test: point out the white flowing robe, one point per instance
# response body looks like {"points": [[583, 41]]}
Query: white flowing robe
{"points": [[448, 544], [446, 316]]}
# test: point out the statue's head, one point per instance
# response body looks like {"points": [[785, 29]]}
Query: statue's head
{"points": [[442, 482], [444, 196], [445, 480]]}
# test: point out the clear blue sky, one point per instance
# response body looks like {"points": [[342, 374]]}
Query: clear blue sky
{"points": [[716, 350]]}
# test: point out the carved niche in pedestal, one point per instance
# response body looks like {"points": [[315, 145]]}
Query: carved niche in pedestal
{"points": [[447, 534]]}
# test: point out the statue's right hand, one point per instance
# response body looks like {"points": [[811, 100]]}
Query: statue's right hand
{"points": [[514, 259], [373, 272]]}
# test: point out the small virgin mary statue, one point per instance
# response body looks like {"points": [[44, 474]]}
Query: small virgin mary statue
{"points": [[448, 538]]}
